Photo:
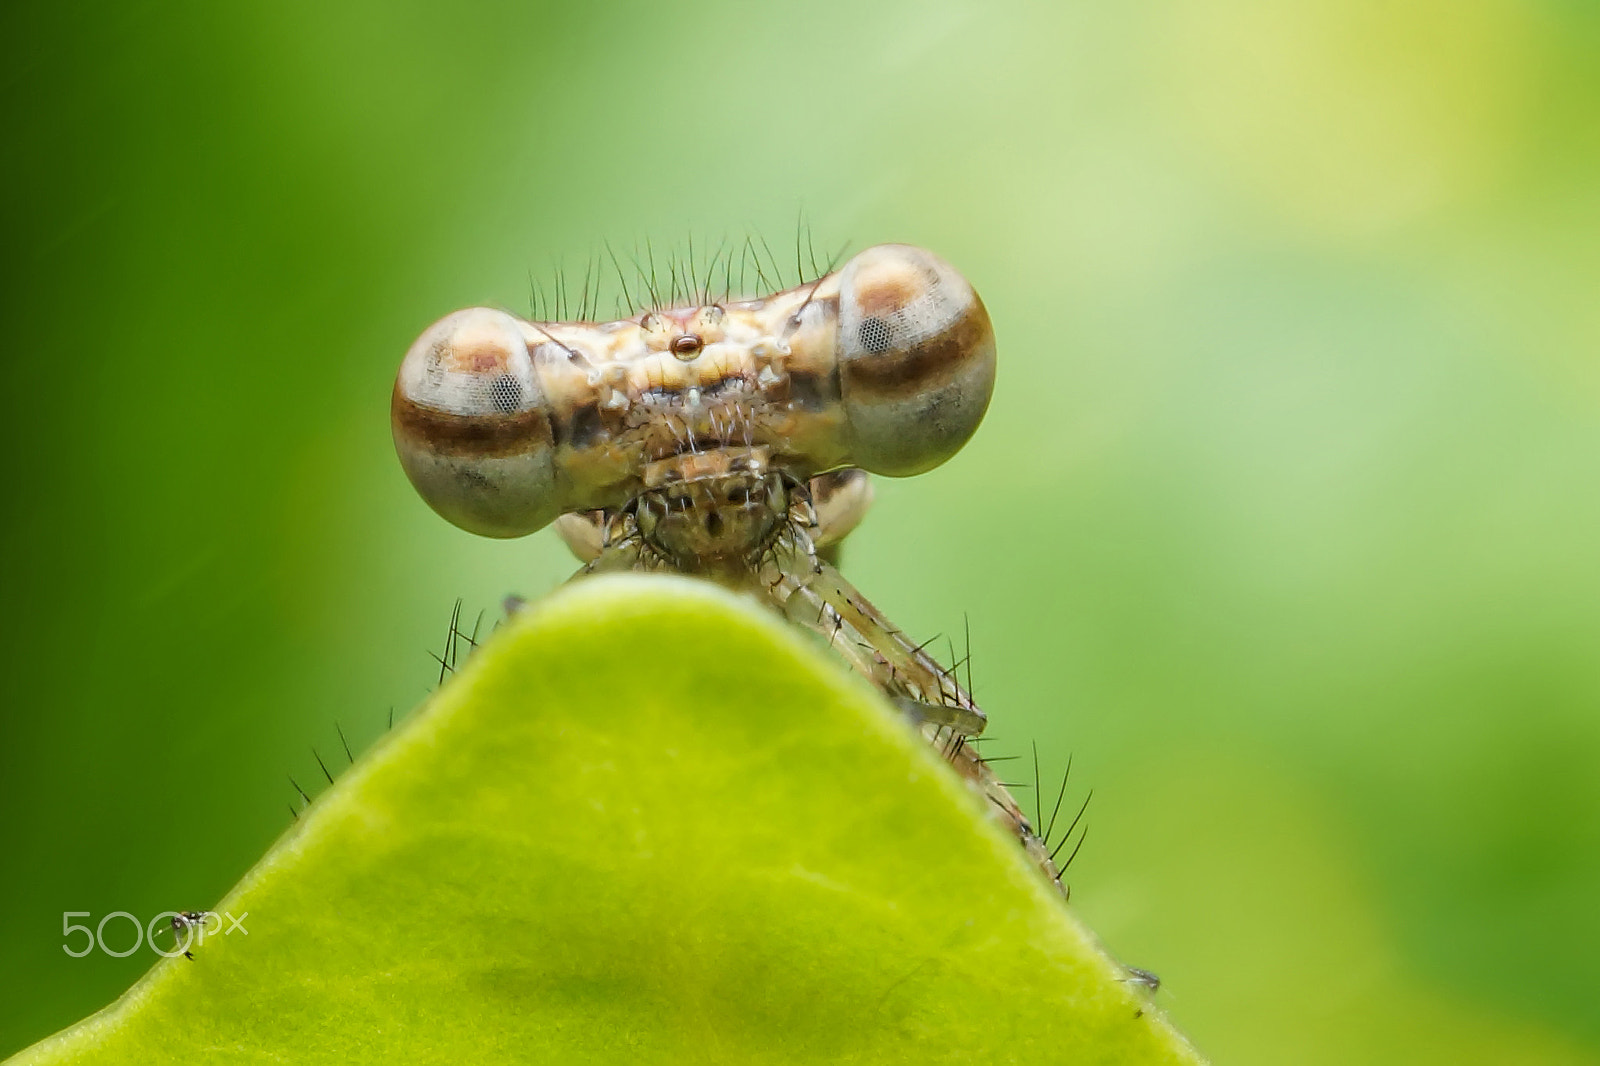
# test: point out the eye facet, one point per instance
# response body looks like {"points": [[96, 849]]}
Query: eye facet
{"points": [[472, 426], [916, 359]]}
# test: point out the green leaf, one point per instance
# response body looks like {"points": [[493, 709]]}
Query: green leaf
{"points": [[647, 822]]}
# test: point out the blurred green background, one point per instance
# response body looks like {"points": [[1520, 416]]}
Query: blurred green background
{"points": [[1285, 519]]}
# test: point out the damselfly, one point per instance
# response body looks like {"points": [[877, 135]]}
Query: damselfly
{"points": [[728, 439]]}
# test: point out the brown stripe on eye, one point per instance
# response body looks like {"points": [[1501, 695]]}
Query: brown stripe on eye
{"points": [[447, 433], [932, 363]]}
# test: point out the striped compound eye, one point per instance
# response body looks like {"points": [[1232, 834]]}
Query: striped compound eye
{"points": [[472, 426], [916, 359]]}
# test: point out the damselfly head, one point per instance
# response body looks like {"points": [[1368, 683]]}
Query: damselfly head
{"points": [[503, 424]]}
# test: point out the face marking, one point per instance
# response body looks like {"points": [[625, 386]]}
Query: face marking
{"points": [[729, 440]]}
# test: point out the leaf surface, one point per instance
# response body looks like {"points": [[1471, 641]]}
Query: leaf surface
{"points": [[646, 822]]}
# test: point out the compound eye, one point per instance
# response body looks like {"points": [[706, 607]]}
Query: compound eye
{"points": [[472, 427], [916, 359]]}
